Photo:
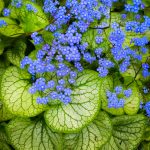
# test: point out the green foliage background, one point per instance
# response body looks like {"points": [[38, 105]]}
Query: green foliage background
{"points": [[84, 124]]}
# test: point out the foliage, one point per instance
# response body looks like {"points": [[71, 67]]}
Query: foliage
{"points": [[74, 74]]}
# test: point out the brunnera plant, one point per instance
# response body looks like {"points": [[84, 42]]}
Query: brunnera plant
{"points": [[74, 74]]}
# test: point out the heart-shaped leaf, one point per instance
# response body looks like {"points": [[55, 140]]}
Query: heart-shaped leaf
{"points": [[81, 110], [91, 137], [31, 135], [127, 132], [15, 93]]}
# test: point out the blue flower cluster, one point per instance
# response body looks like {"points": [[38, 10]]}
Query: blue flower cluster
{"points": [[104, 65], [16, 3], [57, 89], [123, 55], [137, 5], [114, 101], [120, 54], [66, 47], [138, 26], [67, 50], [36, 38], [2, 23], [140, 41]]}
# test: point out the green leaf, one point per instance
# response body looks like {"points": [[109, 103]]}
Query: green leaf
{"points": [[4, 113], [15, 93], [11, 29], [91, 137], [81, 110], [1, 5], [26, 134], [107, 84], [127, 132], [30, 21], [16, 54]]}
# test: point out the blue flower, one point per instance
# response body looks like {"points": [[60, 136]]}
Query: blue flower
{"points": [[147, 108], [128, 92], [36, 38], [16, 3], [6, 12], [2, 23], [118, 89]]}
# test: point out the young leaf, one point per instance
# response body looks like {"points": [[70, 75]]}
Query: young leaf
{"points": [[15, 93], [32, 135], [30, 21], [11, 29], [81, 110], [91, 137], [127, 132]]}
